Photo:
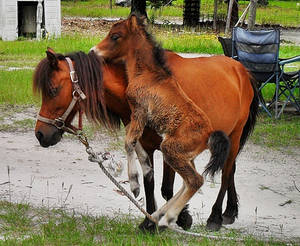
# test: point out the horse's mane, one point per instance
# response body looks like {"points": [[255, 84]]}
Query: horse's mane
{"points": [[158, 52], [89, 71]]}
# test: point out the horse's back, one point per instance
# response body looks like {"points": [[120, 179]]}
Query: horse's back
{"points": [[219, 85]]}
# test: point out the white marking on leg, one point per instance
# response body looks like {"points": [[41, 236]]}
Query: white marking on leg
{"points": [[160, 212], [144, 161], [174, 209], [133, 174]]}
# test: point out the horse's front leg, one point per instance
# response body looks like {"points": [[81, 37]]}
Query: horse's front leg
{"points": [[134, 131]]}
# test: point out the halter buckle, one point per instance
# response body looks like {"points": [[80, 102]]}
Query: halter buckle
{"points": [[74, 77], [59, 123]]}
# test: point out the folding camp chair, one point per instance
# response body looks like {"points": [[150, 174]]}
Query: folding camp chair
{"points": [[258, 51]]}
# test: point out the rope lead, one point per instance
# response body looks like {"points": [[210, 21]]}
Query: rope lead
{"points": [[93, 157]]}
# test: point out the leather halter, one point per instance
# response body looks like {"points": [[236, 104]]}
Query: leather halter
{"points": [[77, 95]]}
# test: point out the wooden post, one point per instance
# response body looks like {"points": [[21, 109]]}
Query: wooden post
{"points": [[215, 14], [252, 14], [228, 17]]}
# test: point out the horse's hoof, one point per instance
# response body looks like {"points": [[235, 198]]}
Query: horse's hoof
{"points": [[212, 226], [228, 220], [148, 226], [136, 192], [184, 219]]}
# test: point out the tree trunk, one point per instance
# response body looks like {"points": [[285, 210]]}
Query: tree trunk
{"points": [[235, 13], [252, 14], [215, 15], [139, 6], [191, 13], [228, 20]]}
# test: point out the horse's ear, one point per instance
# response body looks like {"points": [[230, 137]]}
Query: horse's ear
{"points": [[50, 50], [52, 59], [133, 22]]}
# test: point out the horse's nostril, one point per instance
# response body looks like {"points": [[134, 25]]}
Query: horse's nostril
{"points": [[39, 136]]}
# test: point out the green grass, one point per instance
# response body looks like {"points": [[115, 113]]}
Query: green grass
{"points": [[32, 48], [16, 87], [284, 132], [21, 224]]}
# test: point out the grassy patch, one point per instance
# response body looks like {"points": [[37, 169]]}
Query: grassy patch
{"points": [[284, 132], [190, 43], [16, 87], [25, 225]]}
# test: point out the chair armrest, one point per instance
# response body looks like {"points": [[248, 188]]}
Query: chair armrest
{"points": [[289, 60]]}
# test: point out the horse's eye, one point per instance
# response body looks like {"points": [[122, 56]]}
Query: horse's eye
{"points": [[54, 91], [115, 37]]}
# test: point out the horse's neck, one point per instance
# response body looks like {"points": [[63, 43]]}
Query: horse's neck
{"points": [[140, 60]]}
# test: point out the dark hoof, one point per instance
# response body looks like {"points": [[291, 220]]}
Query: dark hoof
{"points": [[184, 219], [228, 220], [148, 226], [212, 226], [136, 192]]}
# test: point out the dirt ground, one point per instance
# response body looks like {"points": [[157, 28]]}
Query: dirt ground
{"points": [[61, 176]]}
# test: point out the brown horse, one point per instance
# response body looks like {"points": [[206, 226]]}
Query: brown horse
{"points": [[227, 106], [52, 78], [104, 86]]}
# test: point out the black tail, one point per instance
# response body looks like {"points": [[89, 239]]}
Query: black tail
{"points": [[219, 146], [249, 126]]}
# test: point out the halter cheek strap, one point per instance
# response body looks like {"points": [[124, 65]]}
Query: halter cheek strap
{"points": [[77, 95]]}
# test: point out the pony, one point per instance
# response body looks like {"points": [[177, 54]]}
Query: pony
{"points": [[221, 121], [104, 103]]}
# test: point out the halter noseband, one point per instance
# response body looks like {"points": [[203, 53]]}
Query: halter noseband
{"points": [[77, 95]]}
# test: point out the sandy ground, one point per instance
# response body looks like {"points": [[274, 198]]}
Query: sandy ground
{"points": [[61, 176]]}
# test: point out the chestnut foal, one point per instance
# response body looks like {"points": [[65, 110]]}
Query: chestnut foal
{"points": [[157, 100]]}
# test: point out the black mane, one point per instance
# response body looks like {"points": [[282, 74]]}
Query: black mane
{"points": [[158, 52]]}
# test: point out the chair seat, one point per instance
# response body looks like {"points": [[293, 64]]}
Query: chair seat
{"points": [[290, 75]]}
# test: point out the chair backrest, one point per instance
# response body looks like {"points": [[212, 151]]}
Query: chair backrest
{"points": [[258, 51], [226, 45]]}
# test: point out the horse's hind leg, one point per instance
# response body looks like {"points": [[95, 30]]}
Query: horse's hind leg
{"points": [[192, 182], [178, 152], [231, 211], [215, 219], [184, 220]]}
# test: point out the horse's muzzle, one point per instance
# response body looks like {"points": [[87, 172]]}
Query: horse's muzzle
{"points": [[47, 140]]}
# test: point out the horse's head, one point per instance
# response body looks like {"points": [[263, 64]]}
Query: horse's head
{"points": [[67, 84], [121, 36], [52, 80]]}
